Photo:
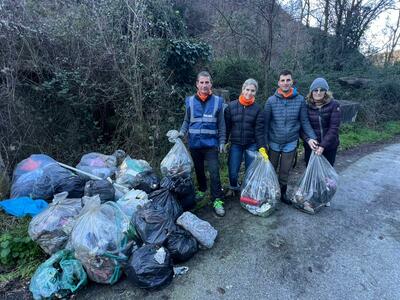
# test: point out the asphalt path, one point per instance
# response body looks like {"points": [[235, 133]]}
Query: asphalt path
{"points": [[350, 250]]}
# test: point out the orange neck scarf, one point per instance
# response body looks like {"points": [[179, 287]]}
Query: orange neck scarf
{"points": [[203, 97], [286, 94], [246, 102]]}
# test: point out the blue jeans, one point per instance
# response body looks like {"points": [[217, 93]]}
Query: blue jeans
{"points": [[236, 153]]}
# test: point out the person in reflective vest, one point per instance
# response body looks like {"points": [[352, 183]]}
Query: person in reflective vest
{"points": [[205, 126]]}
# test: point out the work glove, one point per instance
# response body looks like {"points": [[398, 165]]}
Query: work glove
{"points": [[263, 152], [222, 148]]}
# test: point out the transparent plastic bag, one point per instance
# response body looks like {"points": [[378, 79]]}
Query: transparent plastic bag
{"points": [[98, 164], [131, 201], [101, 239], [317, 186], [59, 276], [52, 227], [130, 172], [178, 161], [203, 232], [260, 191]]}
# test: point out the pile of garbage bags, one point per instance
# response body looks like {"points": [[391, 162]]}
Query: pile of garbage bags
{"points": [[261, 190], [317, 186], [110, 219]]}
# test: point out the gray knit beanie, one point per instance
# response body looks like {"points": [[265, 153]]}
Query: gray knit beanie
{"points": [[319, 83]]}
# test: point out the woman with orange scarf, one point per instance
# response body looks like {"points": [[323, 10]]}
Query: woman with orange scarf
{"points": [[244, 129]]}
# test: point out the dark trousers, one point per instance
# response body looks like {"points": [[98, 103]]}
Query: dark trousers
{"points": [[285, 162], [210, 157], [330, 155]]}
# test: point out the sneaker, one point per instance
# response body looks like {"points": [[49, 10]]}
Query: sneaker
{"points": [[200, 196], [327, 204], [219, 207]]}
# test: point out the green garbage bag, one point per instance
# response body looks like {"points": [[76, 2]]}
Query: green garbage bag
{"points": [[60, 275]]}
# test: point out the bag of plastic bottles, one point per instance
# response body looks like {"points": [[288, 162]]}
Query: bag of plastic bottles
{"points": [[178, 161], [101, 239], [317, 186], [98, 164], [52, 227], [150, 267], [260, 190], [58, 276]]}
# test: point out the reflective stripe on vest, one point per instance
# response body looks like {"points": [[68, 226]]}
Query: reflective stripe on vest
{"points": [[206, 131], [204, 119]]}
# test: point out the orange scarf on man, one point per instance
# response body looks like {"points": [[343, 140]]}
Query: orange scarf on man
{"points": [[246, 102], [286, 94], [203, 97]]}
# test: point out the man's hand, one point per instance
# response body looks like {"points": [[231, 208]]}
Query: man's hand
{"points": [[319, 150], [313, 144], [222, 148], [263, 152], [173, 134]]}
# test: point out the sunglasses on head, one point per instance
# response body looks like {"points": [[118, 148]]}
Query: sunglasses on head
{"points": [[319, 90]]}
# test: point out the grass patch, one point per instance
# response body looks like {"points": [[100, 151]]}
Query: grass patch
{"points": [[352, 135], [19, 255]]}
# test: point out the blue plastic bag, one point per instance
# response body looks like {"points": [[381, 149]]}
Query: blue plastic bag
{"points": [[23, 206]]}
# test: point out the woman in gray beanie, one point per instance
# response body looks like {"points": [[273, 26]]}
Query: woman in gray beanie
{"points": [[324, 115]]}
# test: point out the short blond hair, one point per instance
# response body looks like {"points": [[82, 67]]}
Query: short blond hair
{"points": [[250, 81]]}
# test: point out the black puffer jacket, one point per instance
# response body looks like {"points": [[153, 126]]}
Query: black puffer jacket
{"points": [[244, 124]]}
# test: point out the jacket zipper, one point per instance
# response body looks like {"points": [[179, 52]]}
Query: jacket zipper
{"points": [[320, 123]]}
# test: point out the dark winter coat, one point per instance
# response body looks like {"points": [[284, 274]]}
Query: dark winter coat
{"points": [[244, 124], [284, 117], [325, 121]]}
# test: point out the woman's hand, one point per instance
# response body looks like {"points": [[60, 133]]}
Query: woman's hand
{"points": [[313, 144], [319, 150]]}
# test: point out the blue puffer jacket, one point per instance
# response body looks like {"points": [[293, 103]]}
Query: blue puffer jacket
{"points": [[284, 117]]}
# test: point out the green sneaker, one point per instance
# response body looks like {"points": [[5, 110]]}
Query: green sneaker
{"points": [[219, 207], [200, 196]]}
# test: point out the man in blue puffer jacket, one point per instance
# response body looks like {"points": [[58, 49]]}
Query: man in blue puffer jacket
{"points": [[285, 114]]}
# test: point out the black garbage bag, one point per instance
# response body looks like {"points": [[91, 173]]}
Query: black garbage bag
{"points": [[183, 188], [153, 223], [103, 188], [150, 267], [147, 182], [40, 177], [181, 245], [74, 185], [167, 200]]}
